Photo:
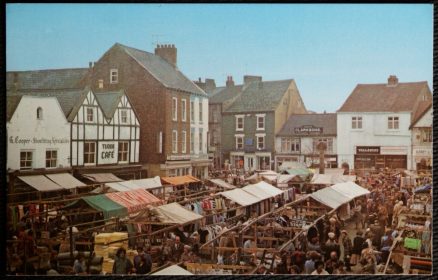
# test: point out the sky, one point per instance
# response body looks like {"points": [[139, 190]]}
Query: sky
{"points": [[327, 49]]}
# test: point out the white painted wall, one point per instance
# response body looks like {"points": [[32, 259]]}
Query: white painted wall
{"points": [[374, 132], [24, 126]]}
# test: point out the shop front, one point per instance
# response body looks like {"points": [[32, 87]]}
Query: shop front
{"points": [[279, 160], [422, 158], [368, 157], [312, 161], [237, 160]]}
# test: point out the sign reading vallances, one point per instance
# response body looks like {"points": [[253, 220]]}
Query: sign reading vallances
{"points": [[368, 150]]}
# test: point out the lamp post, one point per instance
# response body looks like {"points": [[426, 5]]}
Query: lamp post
{"points": [[322, 147]]}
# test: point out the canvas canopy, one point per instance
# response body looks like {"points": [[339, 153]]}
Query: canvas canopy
{"points": [[284, 179], [350, 189], [330, 179], [40, 183], [179, 180], [117, 186], [262, 190], [173, 213], [222, 183], [149, 183], [241, 197], [339, 194], [65, 180], [107, 206], [303, 172], [135, 200], [173, 270], [252, 177], [102, 177]]}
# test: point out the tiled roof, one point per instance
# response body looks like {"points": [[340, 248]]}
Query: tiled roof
{"points": [[163, 71], [326, 121], [260, 96], [108, 102], [422, 108], [45, 79], [384, 98], [222, 94], [11, 105], [69, 100]]}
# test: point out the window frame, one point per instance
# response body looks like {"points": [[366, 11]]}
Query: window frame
{"points": [[327, 140], [192, 141], [120, 153], [393, 123], [201, 141], [87, 154], [87, 110], [237, 142], [258, 138], [192, 111], [258, 117], [124, 119], [183, 142], [26, 160], [184, 110], [174, 141], [114, 73], [201, 118], [51, 159], [174, 109], [39, 113], [237, 123], [355, 121]]}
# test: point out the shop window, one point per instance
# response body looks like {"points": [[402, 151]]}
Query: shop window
{"points": [[89, 152], [290, 145], [239, 123], [174, 141], [123, 151], [356, 122], [51, 158], [39, 113], [260, 142], [114, 76], [26, 158], [426, 135], [393, 123], [174, 109], [184, 109], [90, 114], [239, 142], [183, 142]]}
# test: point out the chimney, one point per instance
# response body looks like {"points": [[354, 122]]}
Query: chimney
{"points": [[230, 82], [392, 80], [248, 79], [210, 84], [90, 64], [167, 52]]}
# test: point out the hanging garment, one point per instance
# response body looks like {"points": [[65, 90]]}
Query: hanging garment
{"points": [[20, 212]]}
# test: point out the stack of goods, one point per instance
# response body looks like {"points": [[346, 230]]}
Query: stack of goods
{"points": [[420, 265], [108, 251]]}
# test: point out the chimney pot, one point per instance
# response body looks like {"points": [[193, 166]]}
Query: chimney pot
{"points": [[392, 80], [168, 53], [230, 81]]}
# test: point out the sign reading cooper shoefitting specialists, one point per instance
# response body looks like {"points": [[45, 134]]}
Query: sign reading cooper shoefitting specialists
{"points": [[308, 129], [108, 152], [17, 140], [368, 150]]}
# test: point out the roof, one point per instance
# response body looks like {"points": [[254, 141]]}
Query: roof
{"points": [[262, 190], [330, 179], [150, 183], [296, 125], [173, 270], [260, 96], [163, 71], [109, 101], [222, 183], [350, 189], [423, 107], [173, 213], [384, 98], [222, 94], [54, 79], [69, 100], [180, 180], [338, 194]]}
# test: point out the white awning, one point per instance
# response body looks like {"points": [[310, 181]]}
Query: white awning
{"points": [[222, 183], [65, 180], [262, 190], [350, 189], [283, 179], [174, 213], [117, 186], [330, 179], [149, 183], [330, 197], [241, 197], [102, 177], [173, 270], [41, 183]]}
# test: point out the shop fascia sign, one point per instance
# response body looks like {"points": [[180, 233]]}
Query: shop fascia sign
{"points": [[423, 152], [34, 140], [368, 150], [179, 157], [108, 152], [308, 129]]}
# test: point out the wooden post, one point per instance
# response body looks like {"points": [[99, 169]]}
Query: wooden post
{"points": [[71, 242]]}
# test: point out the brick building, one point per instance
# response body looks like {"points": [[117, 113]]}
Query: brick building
{"points": [[163, 99]]}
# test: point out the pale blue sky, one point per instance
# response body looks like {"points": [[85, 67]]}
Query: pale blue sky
{"points": [[327, 49]]}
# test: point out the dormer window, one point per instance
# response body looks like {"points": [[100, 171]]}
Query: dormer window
{"points": [[114, 76], [39, 113]]}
